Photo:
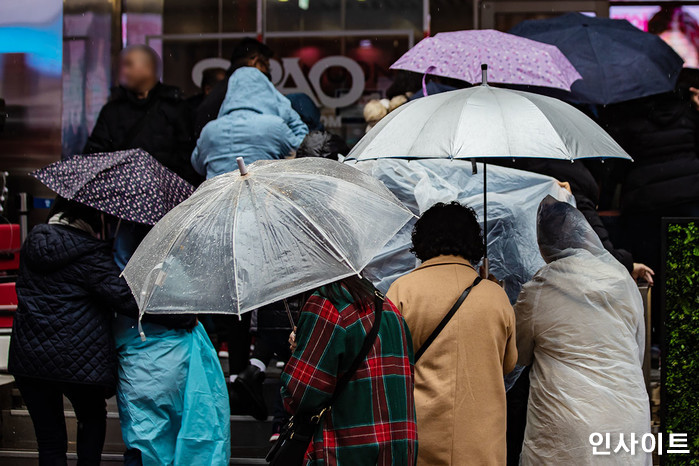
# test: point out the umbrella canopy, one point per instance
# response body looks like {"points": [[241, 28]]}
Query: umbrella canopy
{"points": [[282, 228], [485, 121], [512, 59], [129, 184], [617, 61]]}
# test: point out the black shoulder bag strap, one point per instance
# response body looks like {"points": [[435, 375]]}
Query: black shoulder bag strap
{"points": [[446, 319], [363, 352]]}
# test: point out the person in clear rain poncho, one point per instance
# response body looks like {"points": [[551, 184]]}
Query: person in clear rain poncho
{"points": [[580, 326]]}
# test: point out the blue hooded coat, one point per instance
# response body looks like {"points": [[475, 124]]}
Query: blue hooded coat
{"points": [[255, 122]]}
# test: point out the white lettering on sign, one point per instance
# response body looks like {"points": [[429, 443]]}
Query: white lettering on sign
{"points": [[289, 78], [290, 68]]}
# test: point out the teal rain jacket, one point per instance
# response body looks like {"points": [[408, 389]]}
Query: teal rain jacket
{"points": [[172, 396], [255, 122]]}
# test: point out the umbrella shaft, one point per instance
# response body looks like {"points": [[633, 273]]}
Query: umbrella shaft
{"points": [[288, 313], [485, 210]]}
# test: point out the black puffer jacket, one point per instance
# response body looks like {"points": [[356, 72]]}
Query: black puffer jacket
{"points": [[68, 290], [660, 133], [159, 124], [585, 191]]}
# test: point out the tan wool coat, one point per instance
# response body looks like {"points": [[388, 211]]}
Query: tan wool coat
{"points": [[459, 389]]}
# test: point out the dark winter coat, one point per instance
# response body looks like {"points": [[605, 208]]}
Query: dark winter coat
{"points": [[209, 107], [585, 191], [160, 124], [660, 133], [68, 290]]}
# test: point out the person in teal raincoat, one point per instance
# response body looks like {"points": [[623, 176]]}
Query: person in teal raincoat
{"points": [[255, 122], [172, 396]]}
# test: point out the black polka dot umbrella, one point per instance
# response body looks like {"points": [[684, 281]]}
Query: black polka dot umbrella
{"points": [[129, 184]]}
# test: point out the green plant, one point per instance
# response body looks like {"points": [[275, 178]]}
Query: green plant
{"points": [[681, 361]]}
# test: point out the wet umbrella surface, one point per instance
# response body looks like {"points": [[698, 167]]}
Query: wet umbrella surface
{"points": [[240, 242]]}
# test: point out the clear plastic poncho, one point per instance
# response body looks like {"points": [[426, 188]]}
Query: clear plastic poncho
{"points": [[513, 197], [580, 326]]}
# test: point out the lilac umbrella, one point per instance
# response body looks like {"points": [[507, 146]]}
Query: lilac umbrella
{"points": [[128, 184], [510, 59]]}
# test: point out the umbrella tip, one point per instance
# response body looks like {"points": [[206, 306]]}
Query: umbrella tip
{"points": [[484, 73], [241, 166]]}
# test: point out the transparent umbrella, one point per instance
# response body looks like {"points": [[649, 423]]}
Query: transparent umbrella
{"points": [[255, 236]]}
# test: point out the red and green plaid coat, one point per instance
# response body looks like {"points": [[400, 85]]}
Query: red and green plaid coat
{"points": [[373, 421]]}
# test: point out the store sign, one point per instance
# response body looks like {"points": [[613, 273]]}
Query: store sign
{"points": [[289, 78]]}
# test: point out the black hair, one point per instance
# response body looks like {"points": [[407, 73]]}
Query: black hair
{"points": [[73, 210], [405, 81], [246, 49], [360, 289], [209, 76], [448, 229]]}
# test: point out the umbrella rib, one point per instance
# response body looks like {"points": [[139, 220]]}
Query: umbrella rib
{"points": [[235, 264], [320, 230]]}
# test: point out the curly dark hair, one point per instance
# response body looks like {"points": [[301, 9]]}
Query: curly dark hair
{"points": [[448, 229]]}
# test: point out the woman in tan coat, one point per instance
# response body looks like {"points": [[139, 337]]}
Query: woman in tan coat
{"points": [[459, 390]]}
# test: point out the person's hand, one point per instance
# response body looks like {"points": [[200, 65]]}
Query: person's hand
{"points": [[642, 271], [694, 97], [292, 340], [491, 277], [565, 185]]}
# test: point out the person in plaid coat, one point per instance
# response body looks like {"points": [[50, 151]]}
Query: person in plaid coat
{"points": [[373, 421]]}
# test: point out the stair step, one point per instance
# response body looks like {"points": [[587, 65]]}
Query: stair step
{"points": [[249, 438], [29, 458]]}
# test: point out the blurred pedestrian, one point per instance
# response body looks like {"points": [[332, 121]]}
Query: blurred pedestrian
{"points": [[171, 393], [248, 52], [307, 110], [209, 78], [372, 419], [255, 122], [144, 113], [660, 133], [68, 290], [463, 332], [580, 326]]}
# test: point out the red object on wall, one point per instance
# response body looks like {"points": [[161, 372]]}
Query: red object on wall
{"points": [[8, 304], [9, 246]]}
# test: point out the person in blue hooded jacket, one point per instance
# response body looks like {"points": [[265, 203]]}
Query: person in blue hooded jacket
{"points": [[255, 122]]}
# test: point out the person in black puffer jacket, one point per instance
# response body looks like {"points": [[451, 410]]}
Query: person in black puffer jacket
{"points": [[660, 133], [68, 290]]}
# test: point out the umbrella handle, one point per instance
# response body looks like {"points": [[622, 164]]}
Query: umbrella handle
{"points": [[241, 166], [424, 80], [288, 313]]}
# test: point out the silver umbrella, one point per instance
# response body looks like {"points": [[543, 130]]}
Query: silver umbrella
{"points": [[483, 122]]}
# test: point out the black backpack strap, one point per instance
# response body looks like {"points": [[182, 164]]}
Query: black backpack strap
{"points": [[363, 352], [446, 319]]}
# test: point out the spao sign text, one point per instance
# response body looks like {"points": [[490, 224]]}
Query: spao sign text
{"points": [[288, 77]]}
